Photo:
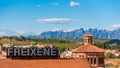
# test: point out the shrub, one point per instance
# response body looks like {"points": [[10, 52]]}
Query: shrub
{"points": [[118, 57], [108, 55]]}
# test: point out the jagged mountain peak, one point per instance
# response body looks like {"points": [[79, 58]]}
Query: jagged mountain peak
{"points": [[79, 33]]}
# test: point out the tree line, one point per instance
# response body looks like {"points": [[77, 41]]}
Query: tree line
{"points": [[21, 40]]}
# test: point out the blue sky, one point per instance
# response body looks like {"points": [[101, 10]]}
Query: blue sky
{"points": [[45, 15]]}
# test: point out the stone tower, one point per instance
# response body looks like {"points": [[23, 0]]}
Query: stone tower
{"points": [[88, 39]]}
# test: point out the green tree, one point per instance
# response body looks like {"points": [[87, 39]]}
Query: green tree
{"points": [[22, 38], [114, 46], [119, 56], [108, 55]]}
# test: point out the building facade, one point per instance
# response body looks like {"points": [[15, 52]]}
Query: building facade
{"points": [[1, 48], [93, 54]]}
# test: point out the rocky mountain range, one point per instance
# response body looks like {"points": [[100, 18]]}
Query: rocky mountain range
{"points": [[79, 33]]}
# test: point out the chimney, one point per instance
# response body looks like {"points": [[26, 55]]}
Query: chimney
{"points": [[87, 39]]}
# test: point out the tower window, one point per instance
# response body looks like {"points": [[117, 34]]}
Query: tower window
{"points": [[85, 40], [94, 60], [82, 55], [101, 60], [89, 41], [79, 55], [91, 61]]}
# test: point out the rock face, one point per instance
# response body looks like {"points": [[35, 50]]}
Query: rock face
{"points": [[75, 34], [79, 33]]}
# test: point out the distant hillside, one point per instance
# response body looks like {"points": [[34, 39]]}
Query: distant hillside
{"points": [[63, 43], [112, 41], [79, 33]]}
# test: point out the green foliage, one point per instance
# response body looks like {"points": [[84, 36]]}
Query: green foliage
{"points": [[4, 48], [107, 43], [114, 46], [0, 43], [114, 41], [118, 57], [108, 55], [109, 65], [116, 66], [59, 42], [62, 43]]}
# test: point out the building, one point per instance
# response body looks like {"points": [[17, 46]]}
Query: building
{"points": [[1, 48], [66, 54], [116, 52], [44, 63], [93, 54]]}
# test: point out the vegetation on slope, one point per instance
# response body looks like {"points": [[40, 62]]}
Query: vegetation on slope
{"points": [[59, 42]]}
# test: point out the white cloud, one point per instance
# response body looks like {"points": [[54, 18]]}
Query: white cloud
{"points": [[21, 32], [2, 33], [74, 4], [69, 30], [116, 26], [56, 29], [37, 33], [55, 20], [8, 32], [54, 3], [38, 6]]}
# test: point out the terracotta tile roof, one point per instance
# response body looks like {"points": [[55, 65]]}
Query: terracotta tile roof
{"points": [[88, 34], [88, 48], [119, 53], [45, 63]]}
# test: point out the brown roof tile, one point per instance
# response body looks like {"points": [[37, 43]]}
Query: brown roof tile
{"points": [[88, 48], [45, 63], [88, 34]]}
